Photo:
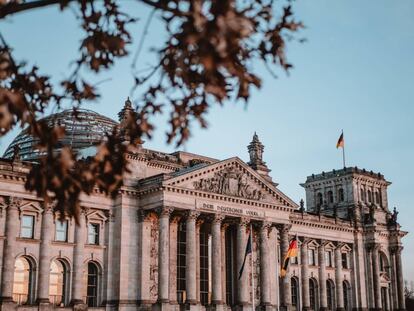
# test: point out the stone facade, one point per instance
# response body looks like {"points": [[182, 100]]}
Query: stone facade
{"points": [[175, 239]]}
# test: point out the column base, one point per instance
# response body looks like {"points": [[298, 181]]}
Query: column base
{"points": [[216, 306], [306, 309], [78, 305], [191, 306], [7, 305], [161, 306], [340, 309], [44, 305], [287, 308], [323, 309], [243, 307], [266, 307]]}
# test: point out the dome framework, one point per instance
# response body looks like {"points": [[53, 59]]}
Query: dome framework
{"points": [[86, 128]]}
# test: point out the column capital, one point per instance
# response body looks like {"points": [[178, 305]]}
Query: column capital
{"points": [[175, 219], [265, 225], [371, 247], [145, 215], [218, 218], [192, 215], [243, 221], [284, 228], [396, 250], [164, 211], [14, 202], [49, 207]]}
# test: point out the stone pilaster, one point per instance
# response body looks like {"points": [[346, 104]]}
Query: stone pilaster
{"points": [[265, 266], [78, 254], [47, 232], [217, 298], [145, 219], [400, 278], [323, 303], [243, 281], [305, 276], [173, 258], [285, 300], [376, 276], [274, 268], [191, 260], [339, 279], [394, 292], [163, 255], [223, 261], [12, 232], [109, 267]]}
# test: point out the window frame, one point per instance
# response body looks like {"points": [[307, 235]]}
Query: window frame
{"points": [[65, 231], [32, 217], [96, 234]]}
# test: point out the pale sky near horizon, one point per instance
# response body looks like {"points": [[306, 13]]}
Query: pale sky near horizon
{"points": [[354, 73]]}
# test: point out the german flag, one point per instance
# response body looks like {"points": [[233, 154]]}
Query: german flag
{"points": [[341, 141], [292, 252]]}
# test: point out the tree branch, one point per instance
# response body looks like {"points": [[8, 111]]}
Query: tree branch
{"points": [[16, 7]]}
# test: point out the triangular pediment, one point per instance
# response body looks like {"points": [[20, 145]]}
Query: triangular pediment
{"points": [[231, 177]]}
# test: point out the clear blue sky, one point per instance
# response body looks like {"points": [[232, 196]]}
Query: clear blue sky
{"points": [[355, 73]]}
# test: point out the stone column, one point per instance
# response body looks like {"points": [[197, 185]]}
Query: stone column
{"points": [[285, 301], [265, 266], [12, 231], [163, 254], [173, 258], [223, 261], [305, 276], [400, 278], [190, 258], [274, 266], [323, 303], [376, 277], [243, 281], [78, 256], [217, 298], [45, 247], [338, 279], [394, 292]]}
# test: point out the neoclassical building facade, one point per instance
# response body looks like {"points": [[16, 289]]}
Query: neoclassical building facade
{"points": [[175, 237]]}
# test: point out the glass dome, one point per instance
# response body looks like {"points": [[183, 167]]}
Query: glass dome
{"points": [[86, 129]]}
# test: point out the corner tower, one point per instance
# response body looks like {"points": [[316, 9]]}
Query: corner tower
{"points": [[256, 162], [339, 191]]}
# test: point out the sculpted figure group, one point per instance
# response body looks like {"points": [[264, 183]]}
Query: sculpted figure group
{"points": [[229, 181]]}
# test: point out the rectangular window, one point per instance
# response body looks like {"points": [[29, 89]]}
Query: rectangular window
{"points": [[328, 259], [311, 255], [27, 226], [93, 234], [62, 231], [344, 260]]}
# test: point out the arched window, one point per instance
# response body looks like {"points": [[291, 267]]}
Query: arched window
{"points": [[341, 195], [369, 196], [92, 285], [181, 268], [319, 199], [347, 295], [58, 283], [383, 262], [330, 197], [362, 195], [377, 197], [294, 292], [23, 281], [313, 294], [330, 294]]}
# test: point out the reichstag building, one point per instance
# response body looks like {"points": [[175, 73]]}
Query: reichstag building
{"points": [[175, 237]]}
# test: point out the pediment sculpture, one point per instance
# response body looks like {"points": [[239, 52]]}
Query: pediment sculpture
{"points": [[230, 181]]}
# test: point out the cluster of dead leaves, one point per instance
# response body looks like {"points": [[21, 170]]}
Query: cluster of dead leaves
{"points": [[207, 59]]}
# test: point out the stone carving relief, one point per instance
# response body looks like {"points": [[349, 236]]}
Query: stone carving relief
{"points": [[230, 181], [154, 259]]}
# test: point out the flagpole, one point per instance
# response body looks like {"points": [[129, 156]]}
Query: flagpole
{"points": [[251, 243], [300, 275], [343, 149], [277, 276]]}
